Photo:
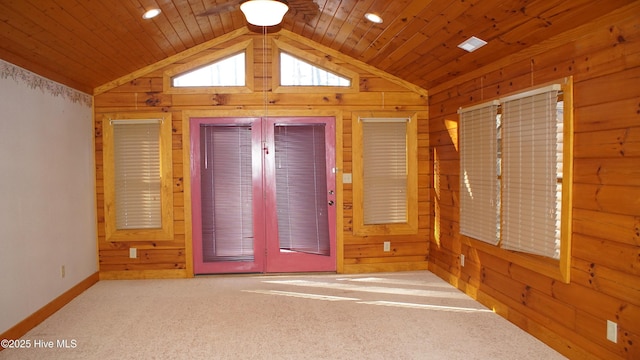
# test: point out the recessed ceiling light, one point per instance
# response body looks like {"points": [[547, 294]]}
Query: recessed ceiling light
{"points": [[472, 44], [373, 18], [150, 14]]}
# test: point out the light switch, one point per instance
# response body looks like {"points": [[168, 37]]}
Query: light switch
{"points": [[346, 178]]}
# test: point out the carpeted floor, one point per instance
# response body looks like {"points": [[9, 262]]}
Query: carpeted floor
{"points": [[406, 315]]}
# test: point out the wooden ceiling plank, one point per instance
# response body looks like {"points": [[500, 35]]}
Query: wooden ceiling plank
{"points": [[363, 26], [310, 26], [125, 21], [395, 10], [325, 18], [206, 28], [50, 44], [60, 31], [82, 23], [158, 29], [35, 64], [355, 17], [335, 25], [178, 26], [409, 20], [191, 22]]}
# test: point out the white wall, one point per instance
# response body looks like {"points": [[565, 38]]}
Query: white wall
{"points": [[47, 199]]}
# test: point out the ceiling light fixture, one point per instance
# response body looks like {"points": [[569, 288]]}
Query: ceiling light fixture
{"points": [[373, 18], [472, 44], [264, 12], [150, 14]]}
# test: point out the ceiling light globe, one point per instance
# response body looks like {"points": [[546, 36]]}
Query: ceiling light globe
{"points": [[264, 12]]}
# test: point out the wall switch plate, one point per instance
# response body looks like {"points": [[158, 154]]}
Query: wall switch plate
{"points": [[612, 331], [387, 246], [461, 259], [133, 253], [346, 178]]}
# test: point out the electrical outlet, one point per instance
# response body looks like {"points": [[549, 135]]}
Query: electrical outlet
{"points": [[612, 331], [461, 259], [133, 253], [63, 272], [387, 246]]}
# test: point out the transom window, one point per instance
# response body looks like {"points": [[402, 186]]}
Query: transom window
{"points": [[296, 72], [226, 72]]}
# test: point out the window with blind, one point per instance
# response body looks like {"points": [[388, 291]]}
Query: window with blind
{"points": [[385, 175], [137, 173], [530, 196], [513, 182], [479, 186], [138, 199]]}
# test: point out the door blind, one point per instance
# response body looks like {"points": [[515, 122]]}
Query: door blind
{"points": [[226, 182], [137, 174], [301, 188]]}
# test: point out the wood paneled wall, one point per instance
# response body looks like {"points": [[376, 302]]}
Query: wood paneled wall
{"points": [[143, 91], [604, 59]]}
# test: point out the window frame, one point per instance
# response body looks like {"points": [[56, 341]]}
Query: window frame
{"points": [[558, 269], [245, 46], [166, 231], [410, 227]]}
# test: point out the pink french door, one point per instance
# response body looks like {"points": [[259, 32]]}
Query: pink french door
{"points": [[263, 194]]}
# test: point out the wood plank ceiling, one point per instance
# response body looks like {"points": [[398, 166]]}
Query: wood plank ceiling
{"points": [[87, 43]]}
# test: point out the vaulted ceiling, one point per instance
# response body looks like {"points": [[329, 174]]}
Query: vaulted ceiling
{"points": [[87, 43]]}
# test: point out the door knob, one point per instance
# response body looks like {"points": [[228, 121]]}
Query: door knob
{"points": [[331, 203]]}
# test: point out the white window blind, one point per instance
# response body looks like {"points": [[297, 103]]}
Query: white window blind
{"points": [[137, 174], [384, 170], [479, 185], [530, 216]]}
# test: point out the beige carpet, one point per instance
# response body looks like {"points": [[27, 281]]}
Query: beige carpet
{"points": [[407, 315]]}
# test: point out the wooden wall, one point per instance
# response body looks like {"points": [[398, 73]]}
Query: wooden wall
{"points": [[604, 59], [143, 91]]}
